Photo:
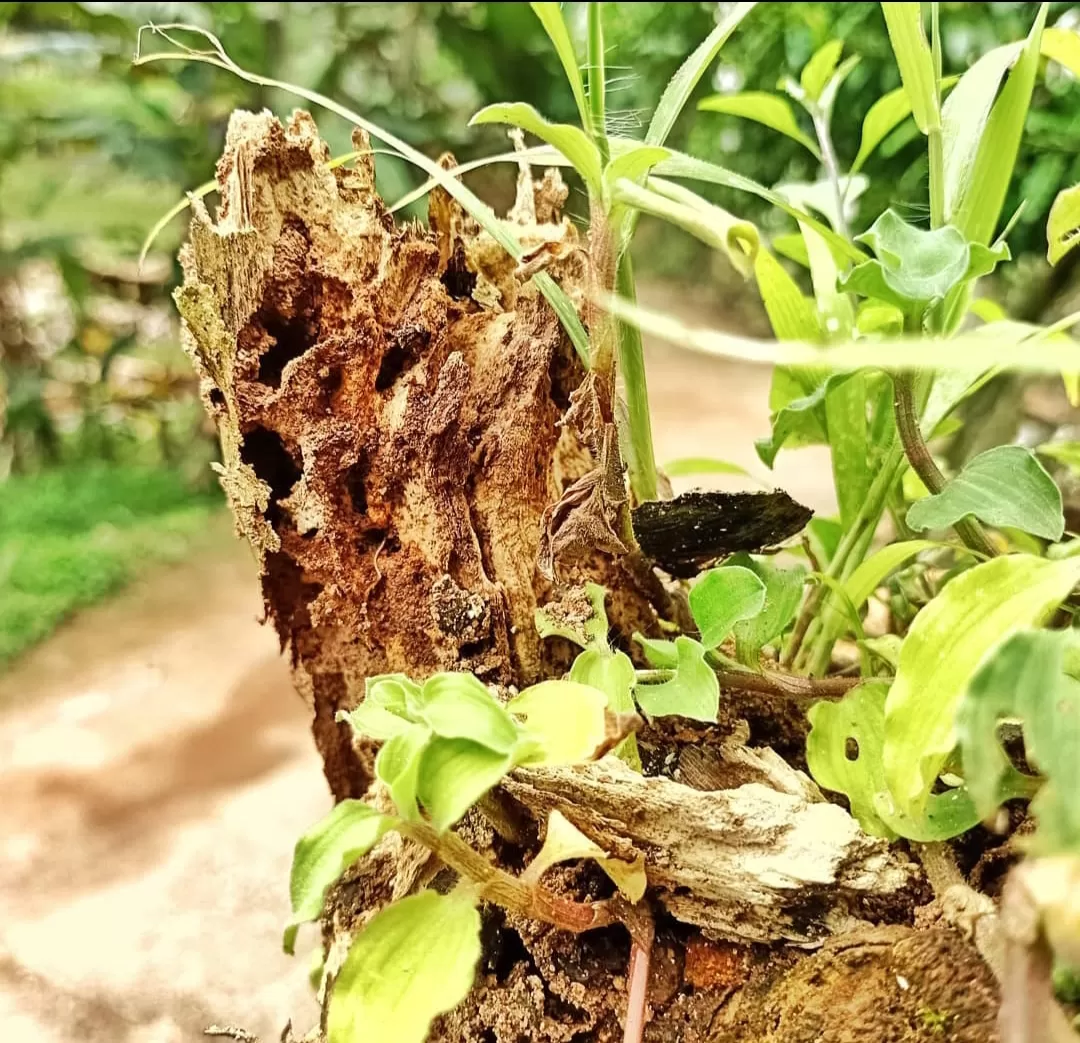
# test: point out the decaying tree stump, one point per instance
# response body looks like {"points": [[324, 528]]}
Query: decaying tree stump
{"points": [[389, 403]]}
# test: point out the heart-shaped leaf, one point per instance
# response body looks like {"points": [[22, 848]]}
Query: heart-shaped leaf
{"points": [[723, 597], [693, 692], [1005, 487]]}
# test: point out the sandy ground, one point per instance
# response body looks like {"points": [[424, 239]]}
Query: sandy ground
{"points": [[156, 769]]}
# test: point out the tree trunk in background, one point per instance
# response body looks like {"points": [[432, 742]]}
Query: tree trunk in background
{"points": [[390, 404]]}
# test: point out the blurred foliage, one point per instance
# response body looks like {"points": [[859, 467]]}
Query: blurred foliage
{"points": [[72, 535], [92, 151]]}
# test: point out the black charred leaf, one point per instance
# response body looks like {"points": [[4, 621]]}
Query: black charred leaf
{"points": [[684, 534]]}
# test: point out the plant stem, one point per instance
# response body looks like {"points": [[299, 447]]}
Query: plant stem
{"points": [[597, 85], [642, 932], [497, 886], [768, 682], [638, 440], [923, 464], [832, 166], [935, 147]]}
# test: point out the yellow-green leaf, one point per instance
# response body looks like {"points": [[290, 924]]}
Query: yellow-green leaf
{"points": [[817, 72], [414, 960], [690, 465], [613, 674], [873, 572], [564, 841], [885, 115], [324, 852], [566, 717], [768, 109], [908, 39], [693, 692], [1063, 227], [943, 649], [571, 141], [397, 766], [1063, 46], [454, 774], [551, 18], [458, 706], [722, 598]]}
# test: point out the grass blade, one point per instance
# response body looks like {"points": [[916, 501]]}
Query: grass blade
{"points": [[597, 73], [770, 110], [908, 39], [980, 208], [551, 18], [681, 165], [682, 84], [477, 209]]}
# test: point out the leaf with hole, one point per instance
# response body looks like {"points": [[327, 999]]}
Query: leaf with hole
{"points": [[1005, 487], [947, 642], [414, 960], [844, 754], [324, 852], [693, 692], [566, 717], [564, 842], [1025, 679], [770, 110]]}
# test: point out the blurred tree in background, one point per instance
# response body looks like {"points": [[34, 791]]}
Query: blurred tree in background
{"points": [[93, 151]]}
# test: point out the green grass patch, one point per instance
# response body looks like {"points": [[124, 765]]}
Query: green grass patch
{"points": [[71, 537]]}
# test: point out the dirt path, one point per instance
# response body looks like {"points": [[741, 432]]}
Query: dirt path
{"points": [[156, 769]]}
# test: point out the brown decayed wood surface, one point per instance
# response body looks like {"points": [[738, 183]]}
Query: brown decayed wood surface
{"points": [[389, 403]]}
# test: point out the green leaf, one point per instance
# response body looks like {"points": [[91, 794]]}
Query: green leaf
{"points": [[980, 207], [723, 597], [792, 246], [414, 960], [791, 315], [908, 39], [566, 717], [964, 117], [1025, 679], [393, 692], [818, 71], [885, 115], [693, 692], [454, 774], [680, 165], [633, 164], [874, 571], [917, 265], [1005, 487], [682, 84], [690, 465], [800, 421], [397, 766], [579, 616], [458, 706], [1067, 453], [768, 109], [844, 754], [659, 653], [875, 318], [1063, 227], [571, 141], [324, 852], [849, 441], [551, 18], [948, 640], [783, 592], [886, 648], [374, 722], [613, 674]]}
